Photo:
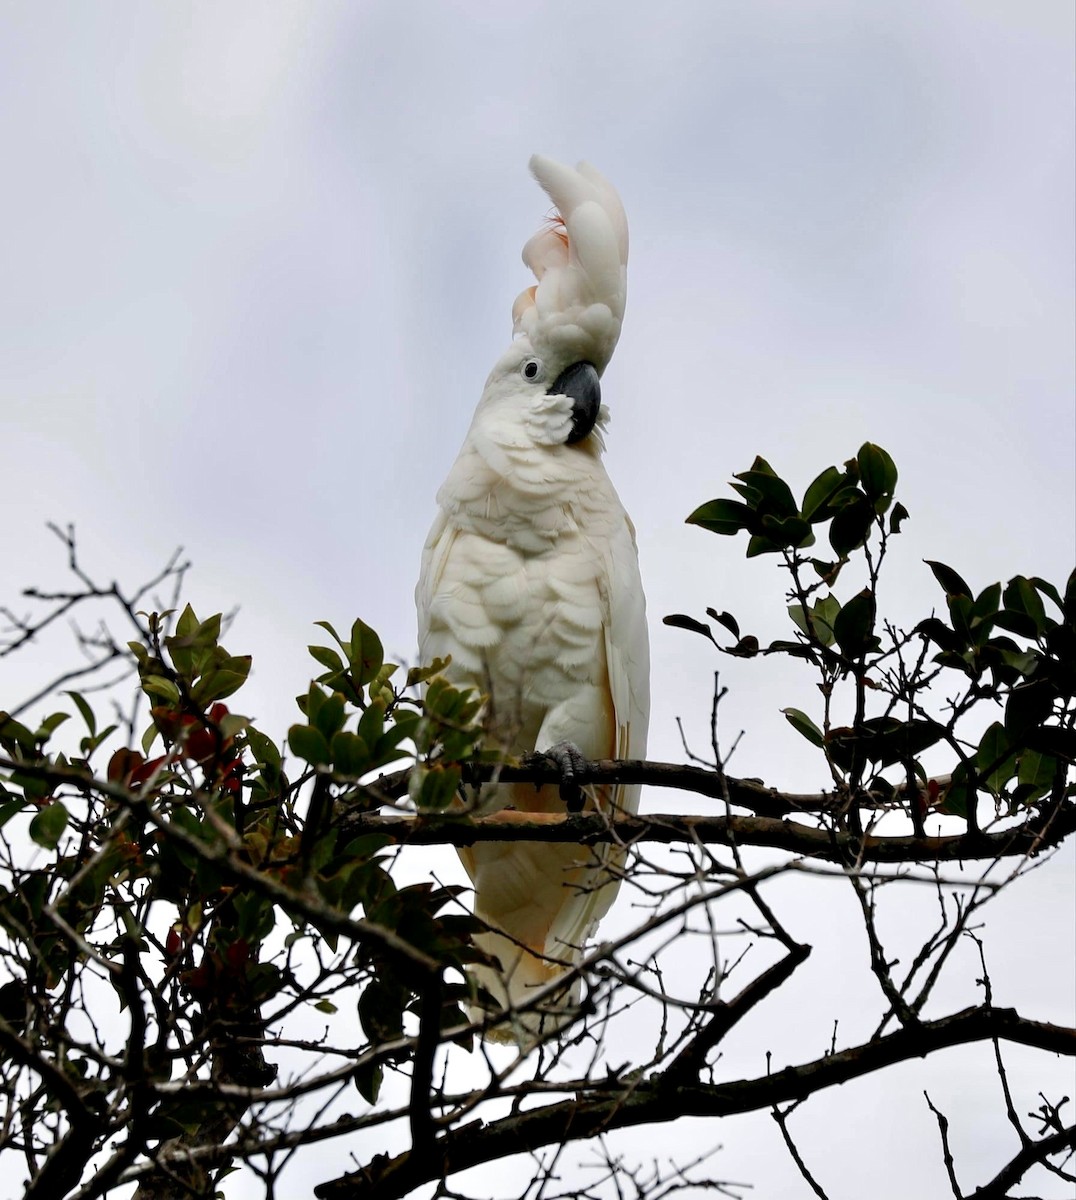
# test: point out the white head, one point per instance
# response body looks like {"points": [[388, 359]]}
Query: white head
{"points": [[567, 325]]}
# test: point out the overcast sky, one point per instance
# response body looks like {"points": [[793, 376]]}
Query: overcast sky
{"points": [[257, 260]]}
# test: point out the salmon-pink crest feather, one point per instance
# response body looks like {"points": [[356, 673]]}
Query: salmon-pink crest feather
{"points": [[579, 258]]}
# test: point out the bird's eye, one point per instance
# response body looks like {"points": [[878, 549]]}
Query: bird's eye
{"points": [[531, 368]]}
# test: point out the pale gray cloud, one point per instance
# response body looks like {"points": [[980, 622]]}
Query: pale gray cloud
{"points": [[257, 260]]}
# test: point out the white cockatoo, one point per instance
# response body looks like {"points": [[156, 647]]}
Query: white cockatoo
{"points": [[530, 581]]}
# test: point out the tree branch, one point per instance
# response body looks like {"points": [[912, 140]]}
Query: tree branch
{"points": [[655, 1101], [589, 829]]}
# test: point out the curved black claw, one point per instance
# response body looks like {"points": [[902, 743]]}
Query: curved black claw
{"points": [[572, 765]]}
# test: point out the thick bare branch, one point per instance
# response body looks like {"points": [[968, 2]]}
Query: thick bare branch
{"points": [[655, 1101], [590, 829]]}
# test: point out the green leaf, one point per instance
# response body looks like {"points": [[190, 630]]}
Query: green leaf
{"points": [[827, 571], [310, 745], [994, 758], [187, 623], [84, 709], [960, 794], [1035, 773], [17, 734], [367, 654], [327, 1006], [816, 499], [725, 619], [49, 725], [936, 630], [158, 687], [1054, 740], [758, 544], [951, 582], [47, 827], [350, 754], [788, 532], [1021, 599], [327, 657], [417, 675], [775, 496], [1029, 706], [220, 682], [434, 787], [803, 724], [817, 623], [368, 1078], [683, 621], [10, 809], [851, 526], [897, 517], [986, 603], [877, 475], [854, 625], [1048, 589], [725, 517], [331, 715], [1069, 604]]}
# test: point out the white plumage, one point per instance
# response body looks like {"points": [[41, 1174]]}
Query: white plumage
{"points": [[530, 581]]}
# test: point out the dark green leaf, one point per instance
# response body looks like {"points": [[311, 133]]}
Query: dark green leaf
{"points": [[726, 619], [87, 713], [877, 475], [436, 788], [368, 1078], [788, 532], [331, 715], [1020, 597], [758, 544], [310, 745], [47, 827], [1036, 773], [827, 571], [820, 492], [683, 621], [941, 635], [897, 517], [775, 495], [725, 517], [995, 758], [1053, 740], [850, 527], [16, 733], [1048, 589], [854, 625], [952, 583], [959, 796], [1069, 604], [49, 725], [1029, 706], [350, 754], [986, 603], [10, 809]]}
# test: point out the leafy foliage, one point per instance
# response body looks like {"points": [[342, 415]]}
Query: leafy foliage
{"points": [[1017, 763], [216, 895]]}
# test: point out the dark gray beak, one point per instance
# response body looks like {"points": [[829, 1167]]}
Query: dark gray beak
{"points": [[580, 381]]}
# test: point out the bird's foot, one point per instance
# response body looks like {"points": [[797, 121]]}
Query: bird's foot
{"points": [[572, 764]]}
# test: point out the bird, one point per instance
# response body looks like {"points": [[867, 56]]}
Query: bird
{"points": [[530, 583]]}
